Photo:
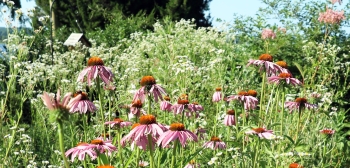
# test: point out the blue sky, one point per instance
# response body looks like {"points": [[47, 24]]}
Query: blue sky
{"points": [[224, 9]]}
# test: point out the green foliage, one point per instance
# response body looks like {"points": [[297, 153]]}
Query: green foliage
{"points": [[184, 59], [121, 27]]}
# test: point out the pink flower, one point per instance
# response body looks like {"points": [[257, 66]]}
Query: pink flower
{"points": [[250, 102], [268, 34], [331, 16], [81, 103], [214, 143], [284, 67], [102, 146], [149, 86], [230, 118], [284, 77], [327, 131], [139, 133], [265, 60], [80, 150], [298, 104], [55, 103], [192, 164], [119, 123], [136, 108], [195, 107], [335, 1], [217, 96], [183, 104], [262, 133], [96, 67], [176, 131], [165, 105]]}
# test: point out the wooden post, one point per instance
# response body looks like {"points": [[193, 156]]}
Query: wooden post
{"points": [[53, 17]]}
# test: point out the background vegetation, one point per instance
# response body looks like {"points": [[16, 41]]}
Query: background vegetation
{"points": [[184, 58]]}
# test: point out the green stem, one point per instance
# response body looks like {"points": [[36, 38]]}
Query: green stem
{"points": [[60, 139], [137, 157], [174, 154], [262, 97], [101, 104], [298, 125], [256, 154], [244, 116], [216, 116], [119, 146], [151, 159], [149, 104], [282, 110]]}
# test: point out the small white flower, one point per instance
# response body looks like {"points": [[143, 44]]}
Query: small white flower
{"points": [[21, 130], [219, 154], [45, 162], [211, 162], [230, 149]]}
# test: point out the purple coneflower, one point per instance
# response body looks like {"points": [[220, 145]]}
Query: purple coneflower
{"points": [[230, 118], [96, 67], [250, 102], [81, 103], [183, 104], [287, 77], [149, 86], [165, 105], [102, 146], [136, 108], [176, 131], [139, 133], [262, 133], [215, 143], [265, 60], [299, 104], [295, 165], [327, 131], [192, 164], [105, 166], [80, 150], [284, 67], [55, 103], [119, 123], [217, 96]]}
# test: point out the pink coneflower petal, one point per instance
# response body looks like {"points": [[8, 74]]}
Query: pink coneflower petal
{"points": [[80, 150], [230, 118], [55, 103], [215, 143], [262, 133], [176, 131], [147, 126], [96, 68], [149, 86]]}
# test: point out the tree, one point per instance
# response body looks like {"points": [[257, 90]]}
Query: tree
{"points": [[87, 15]]}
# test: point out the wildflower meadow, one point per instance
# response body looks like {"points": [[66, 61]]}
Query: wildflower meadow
{"points": [[245, 94]]}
